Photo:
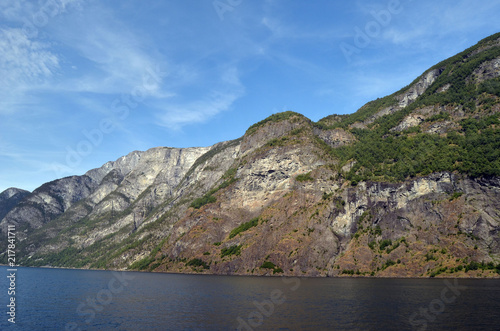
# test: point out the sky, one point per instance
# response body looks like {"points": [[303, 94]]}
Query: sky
{"points": [[84, 82]]}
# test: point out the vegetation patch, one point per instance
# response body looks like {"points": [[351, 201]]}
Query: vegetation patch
{"points": [[277, 142], [304, 177], [272, 266], [142, 264], [231, 250], [442, 116], [229, 177], [456, 195], [197, 263], [430, 257], [471, 266], [370, 109], [385, 243], [204, 200], [372, 245], [243, 227], [339, 203], [327, 196], [482, 266], [387, 264], [385, 155], [393, 247], [154, 265]]}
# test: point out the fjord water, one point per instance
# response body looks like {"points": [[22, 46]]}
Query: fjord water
{"points": [[58, 299]]}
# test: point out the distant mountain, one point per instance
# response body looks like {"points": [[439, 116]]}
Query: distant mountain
{"points": [[407, 186], [9, 199]]}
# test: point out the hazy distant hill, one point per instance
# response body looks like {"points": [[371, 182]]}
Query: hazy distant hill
{"points": [[9, 199]]}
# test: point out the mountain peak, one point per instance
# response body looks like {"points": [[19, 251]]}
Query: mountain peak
{"points": [[11, 191], [10, 198]]}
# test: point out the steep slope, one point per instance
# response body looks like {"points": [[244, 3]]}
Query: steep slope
{"points": [[45, 217], [47, 202], [288, 210], [407, 186], [9, 199], [124, 207]]}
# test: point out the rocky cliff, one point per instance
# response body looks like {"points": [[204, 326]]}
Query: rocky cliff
{"points": [[291, 212], [407, 186]]}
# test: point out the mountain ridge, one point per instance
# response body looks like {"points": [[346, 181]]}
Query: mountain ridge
{"points": [[408, 186]]}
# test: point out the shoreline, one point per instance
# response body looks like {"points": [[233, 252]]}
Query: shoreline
{"points": [[259, 276]]}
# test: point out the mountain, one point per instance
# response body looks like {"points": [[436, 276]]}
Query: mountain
{"points": [[9, 199], [407, 186]]}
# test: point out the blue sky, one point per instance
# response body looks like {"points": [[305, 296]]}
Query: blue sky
{"points": [[83, 82]]}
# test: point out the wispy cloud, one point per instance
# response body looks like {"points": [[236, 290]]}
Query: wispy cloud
{"points": [[197, 111], [109, 56], [217, 99], [28, 59], [444, 20], [285, 31], [24, 64]]}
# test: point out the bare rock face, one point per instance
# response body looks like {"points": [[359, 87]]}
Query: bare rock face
{"points": [[486, 71], [271, 130], [336, 137], [406, 98], [419, 88], [116, 201], [305, 230], [48, 201], [423, 226], [108, 189], [410, 121], [441, 127]]}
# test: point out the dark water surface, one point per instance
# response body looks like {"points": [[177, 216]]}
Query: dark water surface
{"points": [[57, 299]]}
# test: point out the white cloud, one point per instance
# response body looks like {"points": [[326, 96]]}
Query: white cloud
{"points": [[198, 111], [218, 99], [114, 56], [23, 60], [24, 64], [28, 61], [85, 51]]}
